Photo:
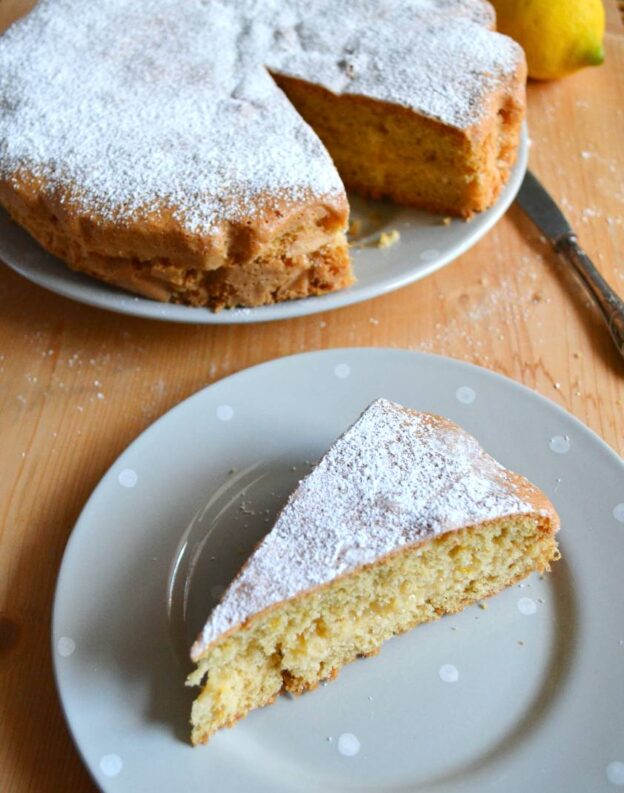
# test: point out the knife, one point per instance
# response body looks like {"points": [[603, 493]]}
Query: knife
{"points": [[550, 220]]}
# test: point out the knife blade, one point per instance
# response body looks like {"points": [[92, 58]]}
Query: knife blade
{"points": [[538, 205]]}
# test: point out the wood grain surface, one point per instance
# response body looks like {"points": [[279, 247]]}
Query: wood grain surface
{"points": [[77, 385]]}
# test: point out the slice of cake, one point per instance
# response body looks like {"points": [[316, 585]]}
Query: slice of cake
{"points": [[406, 518]]}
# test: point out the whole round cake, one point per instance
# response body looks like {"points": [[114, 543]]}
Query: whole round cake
{"points": [[198, 152]]}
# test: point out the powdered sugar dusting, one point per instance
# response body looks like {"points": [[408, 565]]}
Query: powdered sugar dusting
{"points": [[133, 107], [433, 56], [395, 478], [127, 108]]}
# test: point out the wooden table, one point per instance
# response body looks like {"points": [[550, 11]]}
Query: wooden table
{"points": [[78, 384]]}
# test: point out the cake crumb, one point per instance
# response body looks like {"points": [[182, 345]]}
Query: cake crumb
{"points": [[347, 67], [445, 221], [483, 606], [355, 226], [388, 238], [520, 642]]}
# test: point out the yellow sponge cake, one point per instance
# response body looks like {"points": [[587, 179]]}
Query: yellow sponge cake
{"points": [[406, 518]]}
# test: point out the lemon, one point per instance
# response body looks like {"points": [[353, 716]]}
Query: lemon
{"points": [[558, 36]]}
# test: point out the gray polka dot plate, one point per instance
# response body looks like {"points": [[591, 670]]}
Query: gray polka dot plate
{"points": [[525, 695], [425, 245]]}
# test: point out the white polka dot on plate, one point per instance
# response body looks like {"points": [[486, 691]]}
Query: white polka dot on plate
{"points": [[111, 764], [527, 606], [128, 477], [225, 412], [342, 370], [465, 395], [65, 646], [615, 773], [429, 255], [449, 673], [618, 512], [348, 744], [560, 444]]}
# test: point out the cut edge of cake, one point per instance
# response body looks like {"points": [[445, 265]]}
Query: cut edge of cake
{"points": [[454, 171], [431, 121]]}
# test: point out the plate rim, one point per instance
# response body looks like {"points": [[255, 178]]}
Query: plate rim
{"points": [[413, 355], [135, 306]]}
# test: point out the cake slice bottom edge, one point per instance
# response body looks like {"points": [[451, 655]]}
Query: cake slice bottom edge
{"points": [[298, 643]]}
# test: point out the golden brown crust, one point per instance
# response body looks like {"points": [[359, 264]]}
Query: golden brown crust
{"points": [[290, 250]]}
